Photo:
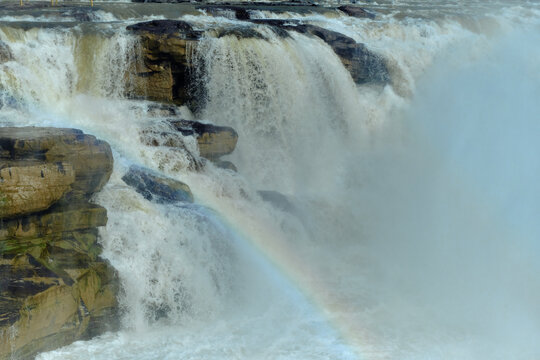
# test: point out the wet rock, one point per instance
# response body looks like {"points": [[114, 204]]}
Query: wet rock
{"points": [[58, 219], [163, 72], [230, 11], [364, 65], [54, 287], [58, 315], [162, 110], [240, 32], [155, 187], [161, 1], [277, 199], [244, 10], [213, 141], [90, 159], [5, 52], [175, 28], [356, 11], [224, 164]]}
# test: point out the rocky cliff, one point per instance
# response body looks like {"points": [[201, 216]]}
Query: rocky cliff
{"points": [[162, 72], [54, 288], [165, 73]]}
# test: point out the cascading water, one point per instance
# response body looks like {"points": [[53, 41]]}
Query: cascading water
{"points": [[409, 230], [281, 95]]}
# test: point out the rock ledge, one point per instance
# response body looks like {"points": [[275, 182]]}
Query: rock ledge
{"points": [[54, 287]]}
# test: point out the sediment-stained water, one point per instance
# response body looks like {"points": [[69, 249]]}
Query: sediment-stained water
{"points": [[409, 227]]}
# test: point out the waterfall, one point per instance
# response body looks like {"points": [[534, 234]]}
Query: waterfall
{"points": [[401, 221]]}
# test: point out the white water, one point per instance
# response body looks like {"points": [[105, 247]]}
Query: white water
{"points": [[413, 234]]}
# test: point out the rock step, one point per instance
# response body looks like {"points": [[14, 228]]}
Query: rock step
{"points": [[90, 159]]}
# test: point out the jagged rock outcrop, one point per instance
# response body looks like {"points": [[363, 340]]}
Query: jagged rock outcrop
{"points": [[213, 141], [155, 187], [91, 159], [54, 288], [162, 74]]}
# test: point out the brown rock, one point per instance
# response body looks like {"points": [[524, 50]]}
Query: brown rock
{"points": [[154, 84], [58, 219], [162, 73], [27, 188], [60, 314], [54, 288], [213, 141], [91, 159], [156, 187]]}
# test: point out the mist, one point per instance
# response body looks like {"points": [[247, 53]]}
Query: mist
{"points": [[450, 203]]}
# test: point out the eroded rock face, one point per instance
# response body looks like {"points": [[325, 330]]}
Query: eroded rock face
{"points": [[90, 159], [27, 188], [162, 74], [54, 288], [155, 187]]}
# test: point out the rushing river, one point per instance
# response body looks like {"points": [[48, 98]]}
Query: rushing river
{"points": [[411, 228]]}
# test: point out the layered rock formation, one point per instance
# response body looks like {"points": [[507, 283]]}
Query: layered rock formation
{"points": [[162, 74], [54, 288]]}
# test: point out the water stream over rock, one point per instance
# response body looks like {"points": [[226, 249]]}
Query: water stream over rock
{"points": [[289, 181]]}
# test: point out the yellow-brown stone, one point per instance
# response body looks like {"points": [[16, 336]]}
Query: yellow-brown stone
{"points": [[162, 72], [54, 288], [91, 159], [34, 187]]}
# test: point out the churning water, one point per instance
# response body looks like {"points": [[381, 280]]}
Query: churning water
{"points": [[411, 229]]}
